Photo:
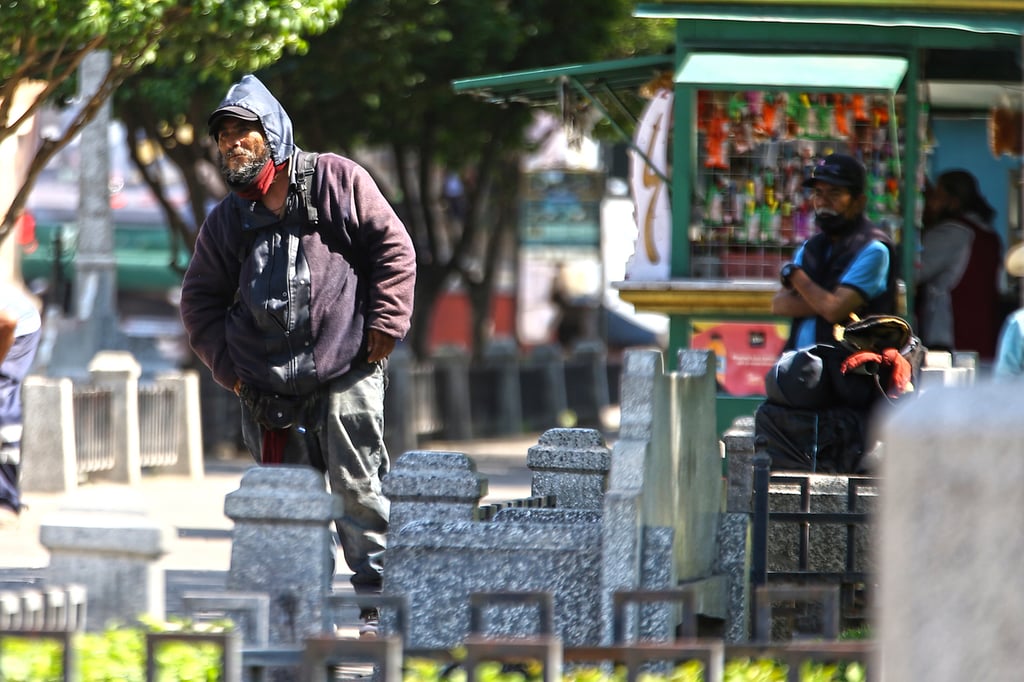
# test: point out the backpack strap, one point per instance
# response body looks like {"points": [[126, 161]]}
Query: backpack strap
{"points": [[301, 170], [304, 164]]}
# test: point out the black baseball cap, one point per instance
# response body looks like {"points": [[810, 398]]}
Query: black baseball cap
{"points": [[232, 111], [840, 170]]}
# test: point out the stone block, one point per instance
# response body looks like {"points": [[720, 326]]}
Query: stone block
{"points": [[281, 545], [119, 372], [572, 465], [433, 485], [436, 566], [49, 461], [111, 548]]}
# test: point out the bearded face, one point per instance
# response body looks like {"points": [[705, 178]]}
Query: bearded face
{"points": [[240, 166]]}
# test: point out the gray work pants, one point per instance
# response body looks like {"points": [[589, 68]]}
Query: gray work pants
{"points": [[343, 437]]}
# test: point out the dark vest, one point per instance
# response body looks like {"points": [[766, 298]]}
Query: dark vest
{"points": [[825, 261], [975, 297]]}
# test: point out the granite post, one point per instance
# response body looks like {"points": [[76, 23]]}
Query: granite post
{"points": [[281, 545], [119, 372], [189, 448], [48, 461], [111, 547], [432, 486], [572, 465]]}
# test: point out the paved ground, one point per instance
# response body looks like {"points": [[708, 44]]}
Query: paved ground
{"points": [[199, 556], [196, 508]]}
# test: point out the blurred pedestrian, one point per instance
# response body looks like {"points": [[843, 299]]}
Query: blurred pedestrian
{"points": [[1009, 362], [575, 308], [20, 331], [301, 284], [958, 300]]}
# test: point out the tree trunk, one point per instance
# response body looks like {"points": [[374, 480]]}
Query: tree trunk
{"points": [[481, 295]]}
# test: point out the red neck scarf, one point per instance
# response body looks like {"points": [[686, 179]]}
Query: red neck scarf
{"points": [[261, 185]]}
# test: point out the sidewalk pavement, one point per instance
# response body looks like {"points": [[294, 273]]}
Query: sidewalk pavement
{"points": [[196, 508]]}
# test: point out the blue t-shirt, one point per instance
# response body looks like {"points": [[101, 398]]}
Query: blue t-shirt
{"points": [[1010, 354], [868, 274]]}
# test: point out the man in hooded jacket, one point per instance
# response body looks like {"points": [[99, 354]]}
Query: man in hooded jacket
{"points": [[300, 285]]}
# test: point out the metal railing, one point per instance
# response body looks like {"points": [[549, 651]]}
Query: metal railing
{"points": [[487, 512], [851, 578], [159, 427], [93, 408]]}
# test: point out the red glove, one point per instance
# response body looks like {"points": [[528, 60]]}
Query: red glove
{"points": [[859, 359], [901, 372], [890, 357]]}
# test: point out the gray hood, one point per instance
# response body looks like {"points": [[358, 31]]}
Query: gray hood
{"points": [[250, 94]]}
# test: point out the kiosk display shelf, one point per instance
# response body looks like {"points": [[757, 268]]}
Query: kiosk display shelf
{"points": [[755, 148]]}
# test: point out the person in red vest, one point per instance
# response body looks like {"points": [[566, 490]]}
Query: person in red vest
{"points": [[958, 298]]}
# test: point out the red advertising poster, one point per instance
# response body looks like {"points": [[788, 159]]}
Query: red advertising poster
{"points": [[744, 352]]}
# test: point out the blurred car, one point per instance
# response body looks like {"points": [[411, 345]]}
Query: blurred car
{"points": [[149, 259]]}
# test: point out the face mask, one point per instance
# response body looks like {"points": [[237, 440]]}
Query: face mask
{"points": [[832, 223]]}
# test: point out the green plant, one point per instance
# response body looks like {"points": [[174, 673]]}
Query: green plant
{"points": [[737, 670], [30, 659], [116, 655]]}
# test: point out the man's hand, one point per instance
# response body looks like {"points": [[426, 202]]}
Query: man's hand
{"points": [[378, 345], [8, 325]]}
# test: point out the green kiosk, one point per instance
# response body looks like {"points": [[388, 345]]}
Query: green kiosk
{"points": [[753, 94]]}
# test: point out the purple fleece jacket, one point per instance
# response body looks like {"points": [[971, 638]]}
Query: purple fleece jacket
{"points": [[288, 311]]}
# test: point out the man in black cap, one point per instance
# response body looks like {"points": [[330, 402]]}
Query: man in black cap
{"points": [[847, 267]]}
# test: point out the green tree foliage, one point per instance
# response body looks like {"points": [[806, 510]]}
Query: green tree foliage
{"points": [[43, 40], [381, 79]]}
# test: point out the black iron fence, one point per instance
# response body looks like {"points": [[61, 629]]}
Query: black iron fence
{"points": [[449, 397], [820, 521]]}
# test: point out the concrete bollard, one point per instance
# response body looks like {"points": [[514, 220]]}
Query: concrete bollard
{"points": [[119, 372], [400, 425], [495, 391], [185, 387], [542, 381], [572, 465], [586, 383], [433, 486], [48, 461], [451, 376], [281, 545], [112, 552]]}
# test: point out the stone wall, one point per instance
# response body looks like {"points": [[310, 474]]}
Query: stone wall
{"points": [[643, 514]]}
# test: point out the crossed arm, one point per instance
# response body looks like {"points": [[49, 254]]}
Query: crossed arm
{"points": [[807, 299]]}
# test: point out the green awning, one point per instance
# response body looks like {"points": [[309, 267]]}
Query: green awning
{"points": [[880, 13], [731, 71], [542, 86]]}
